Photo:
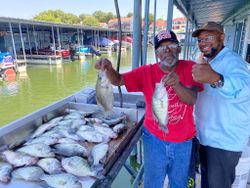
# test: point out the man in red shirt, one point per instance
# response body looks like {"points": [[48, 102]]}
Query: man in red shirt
{"points": [[165, 153]]}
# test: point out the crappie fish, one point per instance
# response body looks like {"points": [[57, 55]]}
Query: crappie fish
{"points": [[77, 166], [104, 92], [160, 106], [18, 159], [37, 150], [98, 154], [71, 149], [62, 180], [119, 128], [93, 136], [106, 131], [48, 140], [30, 173], [5, 170], [42, 128], [50, 165]]}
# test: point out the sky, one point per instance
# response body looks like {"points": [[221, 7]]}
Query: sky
{"points": [[27, 9]]}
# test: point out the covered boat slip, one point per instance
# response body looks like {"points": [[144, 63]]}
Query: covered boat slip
{"points": [[14, 134]]}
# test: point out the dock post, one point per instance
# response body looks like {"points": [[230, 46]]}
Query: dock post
{"points": [[22, 41], [145, 33], [170, 14], [136, 51], [13, 41], [34, 35]]}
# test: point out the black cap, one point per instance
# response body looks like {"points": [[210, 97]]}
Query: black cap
{"points": [[208, 26], [165, 36]]}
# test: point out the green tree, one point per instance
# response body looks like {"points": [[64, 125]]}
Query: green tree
{"points": [[130, 14], [103, 16], [57, 16], [90, 21]]}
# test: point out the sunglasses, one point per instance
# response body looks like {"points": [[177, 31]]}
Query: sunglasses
{"points": [[167, 47], [207, 39]]}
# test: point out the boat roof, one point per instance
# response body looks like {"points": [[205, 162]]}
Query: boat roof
{"points": [[209, 10]]}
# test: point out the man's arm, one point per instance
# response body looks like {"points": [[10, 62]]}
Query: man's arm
{"points": [[186, 95], [114, 76]]}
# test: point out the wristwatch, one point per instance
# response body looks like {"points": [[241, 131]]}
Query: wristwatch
{"points": [[219, 83]]}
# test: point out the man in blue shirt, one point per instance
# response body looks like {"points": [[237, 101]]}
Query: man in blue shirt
{"points": [[222, 111]]}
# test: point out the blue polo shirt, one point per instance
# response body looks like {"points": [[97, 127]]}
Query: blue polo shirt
{"points": [[222, 116]]}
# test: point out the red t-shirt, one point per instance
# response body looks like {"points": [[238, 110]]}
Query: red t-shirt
{"points": [[180, 115]]}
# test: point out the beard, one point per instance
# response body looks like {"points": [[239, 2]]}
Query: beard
{"points": [[166, 63], [212, 53]]}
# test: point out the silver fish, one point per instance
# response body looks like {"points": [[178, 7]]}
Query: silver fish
{"points": [[93, 136], [106, 131], [104, 92], [50, 165], [98, 154], [62, 180], [30, 173], [66, 141], [42, 128], [5, 170], [160, 106], [119, 128], [43, 139], [77, 166], [71, 149], [37, 150], [18, 159]]}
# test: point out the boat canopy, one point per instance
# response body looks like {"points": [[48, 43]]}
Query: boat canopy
{"points": [[209, 10]]}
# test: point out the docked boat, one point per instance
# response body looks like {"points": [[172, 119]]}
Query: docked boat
{"points": [[6, 65]]}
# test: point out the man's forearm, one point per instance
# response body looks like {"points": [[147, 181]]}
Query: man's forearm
{"points": [[186, 95]]}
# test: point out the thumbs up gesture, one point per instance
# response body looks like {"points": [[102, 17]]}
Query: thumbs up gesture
{"points": [[203, 72]]}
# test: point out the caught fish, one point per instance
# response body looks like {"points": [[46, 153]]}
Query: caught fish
{"points": [[30, 173], [37, 150], [98, 154], [18, 159], [50, 165], [106, 131], [160, 106], [42, 128], [71, 149], [5, 170], [104, 92], [62, 180], [119, 128], [43, 139], [93, 136], [77, 166]]}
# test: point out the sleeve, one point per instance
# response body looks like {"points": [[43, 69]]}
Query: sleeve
{"points": [[236, 79], [133, 79]]}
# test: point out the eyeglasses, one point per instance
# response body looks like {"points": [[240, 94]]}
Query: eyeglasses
{"points": [[165, 47], [207, 39]]}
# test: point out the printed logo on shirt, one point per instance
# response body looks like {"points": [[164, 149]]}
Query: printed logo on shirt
{"points": [[176, 108]]}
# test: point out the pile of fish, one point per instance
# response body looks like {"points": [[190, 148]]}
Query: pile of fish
{"points": [[63, 150]]}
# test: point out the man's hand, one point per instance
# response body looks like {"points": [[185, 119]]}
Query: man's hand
{"points": [[204, 73], [103, 64], [172, 79]]}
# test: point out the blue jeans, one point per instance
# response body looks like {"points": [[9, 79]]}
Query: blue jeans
{"points": [[163, 158]]}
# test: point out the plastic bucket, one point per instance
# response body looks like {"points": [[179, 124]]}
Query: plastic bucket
{"points": [[242, 169]]}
